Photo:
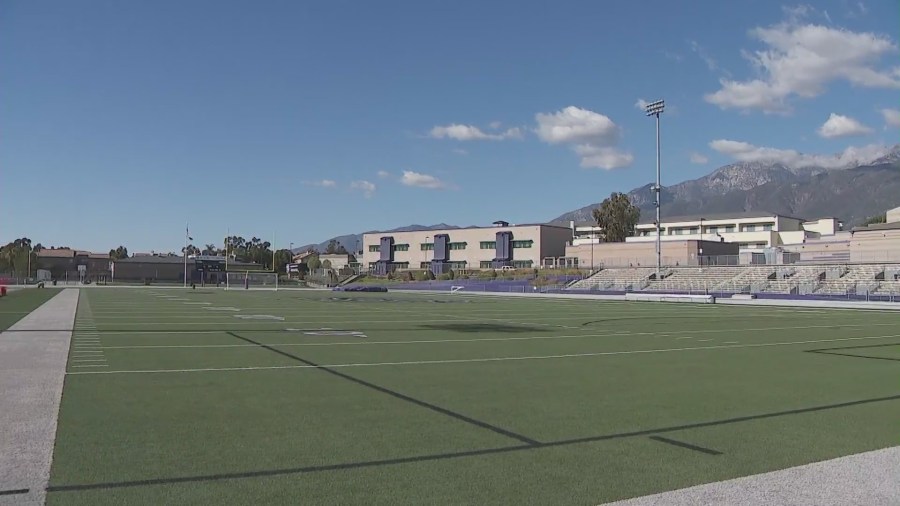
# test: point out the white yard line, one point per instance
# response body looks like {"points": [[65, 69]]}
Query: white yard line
{"points": [[491, 359]]}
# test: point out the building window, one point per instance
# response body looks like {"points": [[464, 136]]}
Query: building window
{"points": [[522, 264], [458, 265], [767, 227], [486, 264], [424, 265], [729, 229], [426, 246], [488, 245], [401, 265], [457, 245], [374, 248], [401, 247], [522, 244], [677, 231]]}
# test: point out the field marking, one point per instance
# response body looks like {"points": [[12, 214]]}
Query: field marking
{"points": [[145, 333], [89, 365], [489, 359], [88, 360]]}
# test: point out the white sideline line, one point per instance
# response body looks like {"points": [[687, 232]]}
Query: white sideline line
{"points": [[707, 331], [492, 359], [89, 365], [88, 360]]}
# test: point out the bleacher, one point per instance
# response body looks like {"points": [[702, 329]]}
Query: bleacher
{"points": [[694, 279], [750, 279], [615, 279], [803, 278], [856, 279], [890, 287], [799, 279]]}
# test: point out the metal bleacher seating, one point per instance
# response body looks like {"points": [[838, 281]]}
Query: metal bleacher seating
{"points": [[615, 279]]}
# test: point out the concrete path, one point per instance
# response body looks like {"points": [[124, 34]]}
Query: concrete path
{"points": [[33, 355], [864, 479]]}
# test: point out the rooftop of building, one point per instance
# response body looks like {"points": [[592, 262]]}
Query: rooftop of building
{"points": [[473, 227], [878, 226], [720, 217]]}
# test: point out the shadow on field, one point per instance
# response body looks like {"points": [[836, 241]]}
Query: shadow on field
{"points": [[481, 327]]}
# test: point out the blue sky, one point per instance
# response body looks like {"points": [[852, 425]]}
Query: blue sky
{"points": [[121, 121]]}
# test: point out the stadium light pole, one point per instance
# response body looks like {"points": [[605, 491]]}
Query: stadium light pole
{"points": [[655, 109]]}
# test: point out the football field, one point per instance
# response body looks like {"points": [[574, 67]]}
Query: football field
{"points": [[316, 397]]}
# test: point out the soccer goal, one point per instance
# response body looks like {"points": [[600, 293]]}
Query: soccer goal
{"points": [[251, 281]]}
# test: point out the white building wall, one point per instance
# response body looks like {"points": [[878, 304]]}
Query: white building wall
{"points": [[471, 248]]}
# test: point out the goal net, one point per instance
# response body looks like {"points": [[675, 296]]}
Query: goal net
{"points": [[251, 281]]}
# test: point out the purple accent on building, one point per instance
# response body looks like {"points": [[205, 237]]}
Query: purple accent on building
{"points": [[503, 254], [440, 262], [441, 248]]}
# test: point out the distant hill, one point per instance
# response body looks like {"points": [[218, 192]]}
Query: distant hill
{"points": [[350, 241], [850, 194]]}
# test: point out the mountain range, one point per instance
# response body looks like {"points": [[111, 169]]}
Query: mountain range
{"points": [[851, 193]]}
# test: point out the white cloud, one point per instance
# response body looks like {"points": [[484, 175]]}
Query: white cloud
{"points": [[460, 151], [850, 157], [699, 158], [325, 183], [607, 158], [641, 104], [495, 125], [592, 136], [576, 125], [383, 174], [472, 133], [891, 117], [842, 126], [707, 59], [416, 179], [801, 59], [366, 187]]}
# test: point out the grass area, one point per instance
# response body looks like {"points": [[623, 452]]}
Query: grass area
{"points": [[201, 397], [18, 303]]}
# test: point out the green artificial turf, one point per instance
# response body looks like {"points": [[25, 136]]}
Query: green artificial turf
{"points": [[18, 303], [441, 399]]}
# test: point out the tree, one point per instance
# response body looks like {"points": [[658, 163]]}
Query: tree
{"points": [[874, 220], [190, 249], [118, 253], [326, 264], [18, 257], [617, 216], [313, 263], [332, 247], [282, 258]]}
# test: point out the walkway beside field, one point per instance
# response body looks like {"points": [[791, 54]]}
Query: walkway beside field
{"points": [[864, 478], [33, 355]]}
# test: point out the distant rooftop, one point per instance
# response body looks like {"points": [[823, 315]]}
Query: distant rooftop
{"points": [[719, 216], [878, 226]]}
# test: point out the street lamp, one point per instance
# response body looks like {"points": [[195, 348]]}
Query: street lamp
{"points": [[593, 236], [655, 109], [701, 242]]}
